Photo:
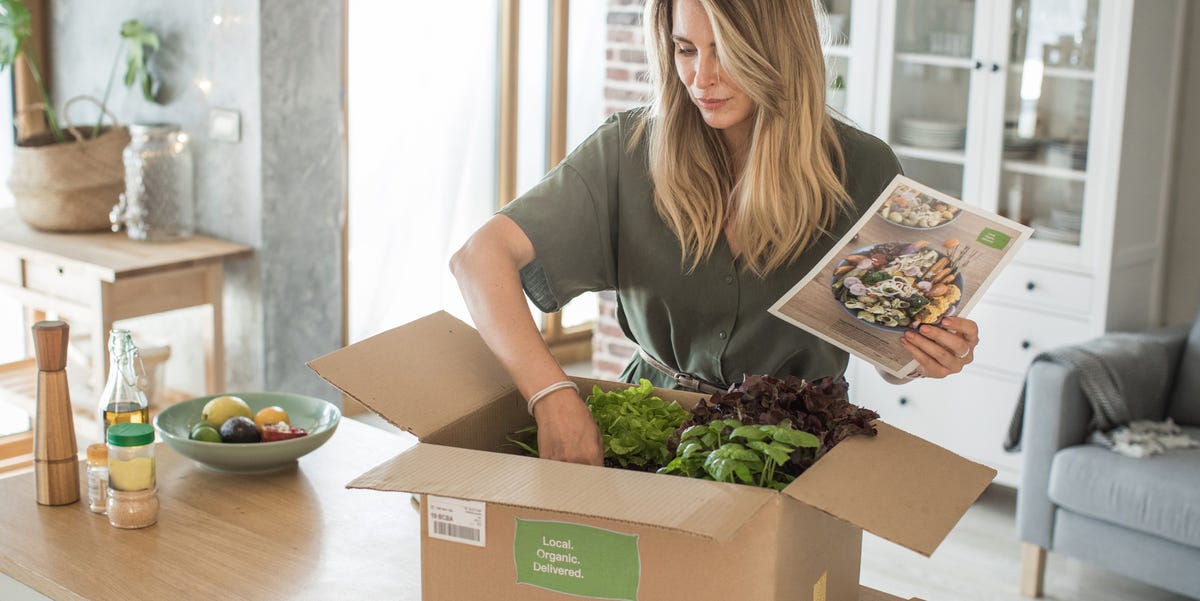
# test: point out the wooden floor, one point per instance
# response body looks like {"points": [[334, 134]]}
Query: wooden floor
{"points": [[980, 561]]}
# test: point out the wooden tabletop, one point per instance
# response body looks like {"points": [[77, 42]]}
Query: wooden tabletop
{"points": [[111, 255], [295, 534]]}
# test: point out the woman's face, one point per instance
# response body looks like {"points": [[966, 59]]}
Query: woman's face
{"points": [[721, 102]]}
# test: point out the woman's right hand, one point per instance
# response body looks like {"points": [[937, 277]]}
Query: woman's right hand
{"points": [[566, 430]]}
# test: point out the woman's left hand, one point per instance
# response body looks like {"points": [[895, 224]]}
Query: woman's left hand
{"points": [[945, 349]]}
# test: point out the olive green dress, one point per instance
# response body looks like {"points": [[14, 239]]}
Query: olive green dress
{"points": [[593, 226]]}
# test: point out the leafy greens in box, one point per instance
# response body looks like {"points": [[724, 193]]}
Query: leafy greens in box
{"points": [[757, 433], [634, 423], [724, 449], [821, 407]]}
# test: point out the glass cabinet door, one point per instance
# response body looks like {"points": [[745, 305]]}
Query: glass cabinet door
{"points": [[930, 91], [851, 45], [1047, 111], [838, 53]]}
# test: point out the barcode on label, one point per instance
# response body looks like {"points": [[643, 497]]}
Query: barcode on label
{"points": [[455, 531], [457, 520]]}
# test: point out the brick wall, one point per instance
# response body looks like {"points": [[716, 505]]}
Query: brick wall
{"points": [[625, 87]]}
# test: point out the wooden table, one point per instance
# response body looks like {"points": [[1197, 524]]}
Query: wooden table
{"points": [[296, 534], [98, 278]]}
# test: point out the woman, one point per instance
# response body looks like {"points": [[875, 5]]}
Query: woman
{"points": [[700, 212]]}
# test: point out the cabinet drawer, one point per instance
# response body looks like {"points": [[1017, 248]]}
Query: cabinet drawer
{"points": [[967, 413], [10, 268], [1043, 289], [1010, 338], [58, 281]]}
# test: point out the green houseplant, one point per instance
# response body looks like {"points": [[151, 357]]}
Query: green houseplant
{"points": [[836, 96], [67, 179]]}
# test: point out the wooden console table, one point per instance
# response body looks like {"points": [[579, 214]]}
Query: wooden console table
{"points": [[95, 279]]}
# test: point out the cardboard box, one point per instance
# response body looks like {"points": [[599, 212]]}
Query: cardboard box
{"points": [[500, 526]]}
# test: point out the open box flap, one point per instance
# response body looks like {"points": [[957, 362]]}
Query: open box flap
{"points": [[708, 509], [894, 485], [421, 376]]}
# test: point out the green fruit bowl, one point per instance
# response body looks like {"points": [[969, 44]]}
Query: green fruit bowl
{"points": [[317, 416]]}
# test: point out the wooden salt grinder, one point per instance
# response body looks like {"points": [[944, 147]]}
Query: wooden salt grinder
{"points": [[55, 458]]}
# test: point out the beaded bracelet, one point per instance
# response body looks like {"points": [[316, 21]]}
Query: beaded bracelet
{"points": [[543, 393]]}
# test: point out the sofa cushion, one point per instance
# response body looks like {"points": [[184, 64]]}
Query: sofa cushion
{"points": [[1185, 395], [1159, 495]]}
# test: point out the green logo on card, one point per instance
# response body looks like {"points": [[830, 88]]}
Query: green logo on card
{"points": [[577, 560], [994, 239]]}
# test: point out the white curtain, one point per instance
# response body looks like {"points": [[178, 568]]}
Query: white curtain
{"points": [[422, 111], [12, 331], [12, 335], [423, 103]]}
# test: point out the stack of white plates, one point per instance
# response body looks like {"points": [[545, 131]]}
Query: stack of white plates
{"points": [[1067, 154], [1020, 148], [1066, 219], [928, 133], [1046, 230]]}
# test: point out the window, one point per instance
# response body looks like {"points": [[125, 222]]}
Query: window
{"points": [[16, 439], [425, 118]]}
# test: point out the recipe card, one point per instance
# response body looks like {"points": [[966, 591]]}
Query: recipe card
{"points": [[915, 257]]}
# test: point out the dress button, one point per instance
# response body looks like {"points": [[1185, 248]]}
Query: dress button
{"points": [[728, 279], [721, 334]]}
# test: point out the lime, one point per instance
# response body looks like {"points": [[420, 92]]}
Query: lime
{"points": [[205, 433]]}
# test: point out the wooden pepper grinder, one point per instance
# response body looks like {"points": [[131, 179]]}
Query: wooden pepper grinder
{"points": [[55, 458]]}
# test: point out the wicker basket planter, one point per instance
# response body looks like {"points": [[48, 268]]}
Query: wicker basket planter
{"points": [[69, 186]]}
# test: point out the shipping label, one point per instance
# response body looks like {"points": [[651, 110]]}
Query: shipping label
{"points": [[457, 520]]}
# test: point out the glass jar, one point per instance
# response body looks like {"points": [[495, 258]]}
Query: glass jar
{"points": [[124, 399], [158, 202], [97, 477], [132, 490]]}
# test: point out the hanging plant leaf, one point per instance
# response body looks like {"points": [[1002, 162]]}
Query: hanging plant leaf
{"points": [[139, 39], [15, 28]]}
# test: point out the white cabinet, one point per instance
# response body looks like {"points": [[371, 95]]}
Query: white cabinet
{"points": [[1057, 113], [850, 58]]}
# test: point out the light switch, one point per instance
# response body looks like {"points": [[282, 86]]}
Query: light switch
{"points": [[225, 125]]}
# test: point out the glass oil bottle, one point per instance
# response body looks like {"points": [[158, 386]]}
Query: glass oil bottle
{"points": [[124, 399]]}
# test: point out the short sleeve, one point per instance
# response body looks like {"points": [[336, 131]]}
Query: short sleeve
{"points": [[570, 217]]}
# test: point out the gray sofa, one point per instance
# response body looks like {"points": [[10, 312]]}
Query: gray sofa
{"points": [[1137, 517]]}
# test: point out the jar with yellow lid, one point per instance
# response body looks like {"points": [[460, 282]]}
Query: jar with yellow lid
{"points": [[132, 490]]}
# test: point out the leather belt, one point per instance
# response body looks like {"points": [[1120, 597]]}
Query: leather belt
{"points": [[683, 379]]}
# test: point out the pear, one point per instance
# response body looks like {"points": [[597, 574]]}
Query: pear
{"points": [[221, 409]]}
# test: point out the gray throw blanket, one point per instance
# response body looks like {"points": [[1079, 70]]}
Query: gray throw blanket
{"points": [[1117, 373]]}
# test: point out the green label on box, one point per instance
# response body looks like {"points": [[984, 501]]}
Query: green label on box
{"points": [[577, 560], [994, 239]]}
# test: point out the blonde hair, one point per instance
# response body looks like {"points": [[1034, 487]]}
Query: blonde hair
{"points": [[791, 190]]}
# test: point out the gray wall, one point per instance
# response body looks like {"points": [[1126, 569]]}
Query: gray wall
{"points": [[279, 190], [1183, 278]]}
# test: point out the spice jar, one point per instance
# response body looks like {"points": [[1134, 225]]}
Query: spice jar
{"points": [[97, 477], [132, 491], [158, 202]]}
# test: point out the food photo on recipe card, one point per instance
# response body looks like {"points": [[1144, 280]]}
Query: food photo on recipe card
{"points": [[915, 257]]}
